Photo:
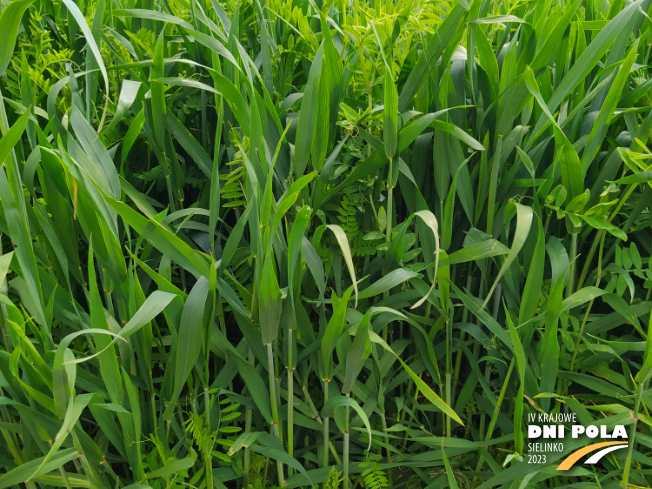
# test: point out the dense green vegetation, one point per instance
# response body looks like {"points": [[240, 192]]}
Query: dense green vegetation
{"points": [[334, 243]]}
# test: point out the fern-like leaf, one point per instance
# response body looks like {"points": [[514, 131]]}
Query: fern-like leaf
{"points": [[374, 477]]}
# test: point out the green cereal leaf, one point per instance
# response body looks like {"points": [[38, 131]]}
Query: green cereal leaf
{"points": [[390, 115], [499, 19], [342, 401], [389, 281], [641, 177], [174, 468], [17, 220], [521, 362], [151, 14], [132, 134], [346, 251], [288, 199], [452, 482], [478, 251], [127, 96], [308, 115], [190, 144], [459, 134], [588, 60], [184, 82], [448, 35], [9, 24], [115, 408], [534, 280], [430, 221], [430, 394], [109, 368], [334, 329], [162, 239], [523, 223], [276, 454], [572, 176], [245, 440], [191, 329], [35, 468], [157, 90], [90, 40], [5, 261], [605, 116], [358, 354], [487, 57], [295, 245], [270, 306], [257, 389]]}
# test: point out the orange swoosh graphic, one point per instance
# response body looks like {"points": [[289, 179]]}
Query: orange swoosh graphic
{"points": [[575, 456]]}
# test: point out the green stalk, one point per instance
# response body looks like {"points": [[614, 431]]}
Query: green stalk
{"points": [[569, 292], [315, 413], [569, 287], [465, 315], [64, 477], [277, 377], [290, 400], [547, 223], [494, 416], [499, 402], [588, 309], [415, 401], [272, 398], [326, 428], [207, 397], [387, 452], [632, 435], [10, 437], [345, 454], [266, 469], [209, 451], [495, 169], [390, 199], [449, 373], [248, 419], [487, 369], [589, 258]]}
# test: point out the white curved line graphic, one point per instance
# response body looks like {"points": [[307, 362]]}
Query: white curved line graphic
{"points": [[595, 458]]}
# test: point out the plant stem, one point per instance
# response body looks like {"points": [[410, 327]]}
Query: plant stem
{"points": [[390, 198], [209, 456], [387, 452], [345, 454], [326, 427], [589, 258], [248, 419], [586, 315], [465, 315], [494, 416], [499, 402], [290, 400], [569, 288], [64, 477], [449, 372], [632, 436], [272, 398]]}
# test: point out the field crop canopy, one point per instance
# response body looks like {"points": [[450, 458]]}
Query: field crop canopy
{"points": [[329, 244]]}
